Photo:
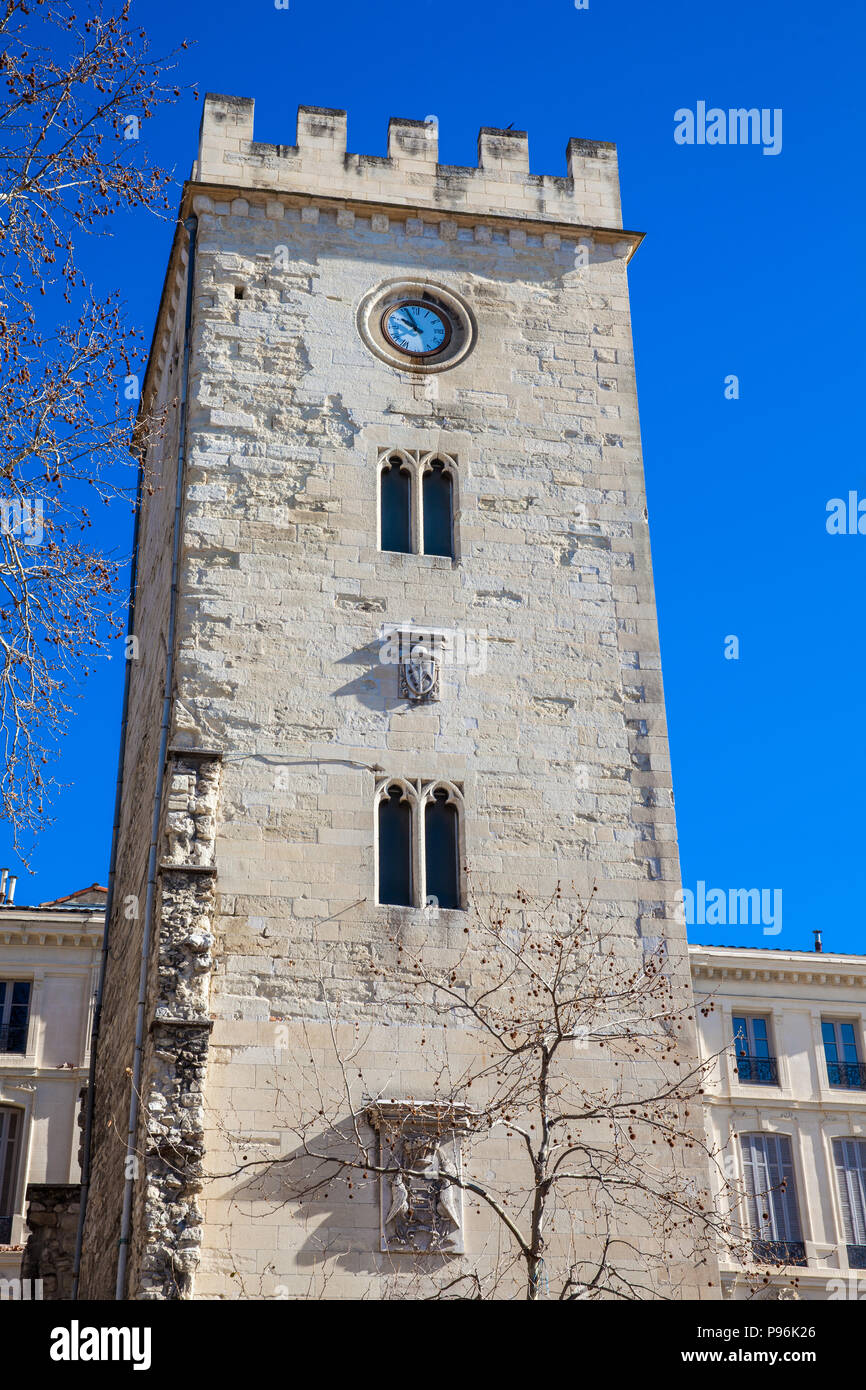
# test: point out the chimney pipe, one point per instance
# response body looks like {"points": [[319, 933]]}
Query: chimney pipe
{"points": [[13, 879], [818, 943], [4, 874]]}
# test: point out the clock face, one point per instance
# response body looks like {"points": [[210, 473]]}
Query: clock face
{"points": [[416, 328]]}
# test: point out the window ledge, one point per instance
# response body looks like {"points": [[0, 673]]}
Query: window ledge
{"points": [[400, 559], [426, 914]]}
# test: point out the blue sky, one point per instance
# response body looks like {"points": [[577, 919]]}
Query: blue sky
{"points": [[751, 266]]}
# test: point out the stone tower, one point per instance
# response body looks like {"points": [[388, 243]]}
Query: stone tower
{"points": [[392, 563]]}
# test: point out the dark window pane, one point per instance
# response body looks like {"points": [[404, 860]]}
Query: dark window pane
{"points": [[395, 849], [828, 1032], [438, 504], [17, 1036], [761, 1041], [396, 504], [443, 868], [849, 1042]]}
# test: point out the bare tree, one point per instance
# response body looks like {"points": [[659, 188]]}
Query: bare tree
{"points": [[573, 1118], [77, 83]]}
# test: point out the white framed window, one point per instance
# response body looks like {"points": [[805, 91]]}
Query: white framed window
{"points": [[14, 1015], [849, 1156], [842, 1054], [771, 1198], [756, 1064], [10, 1145]]}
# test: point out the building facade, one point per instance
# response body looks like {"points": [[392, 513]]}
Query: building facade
{"points": [[49, 964], [405, 659], [786, 1107]]}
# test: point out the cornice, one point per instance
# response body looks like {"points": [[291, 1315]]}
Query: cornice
{"points": [[789, 968], [822, 1107], [400, 212], [38, 931]]}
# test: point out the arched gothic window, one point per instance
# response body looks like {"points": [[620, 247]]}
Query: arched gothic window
{"points": [[419, 844], [395, 501], [395, 848], [442, 849], [417, 502], [438, 510]]}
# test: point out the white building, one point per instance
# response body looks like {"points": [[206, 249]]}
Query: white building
{"points": [[49, 963], [786, 1103]]}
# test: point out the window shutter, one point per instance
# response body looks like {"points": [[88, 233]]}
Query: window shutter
{"points": [[850, 1156], [786, 1210], [773, 1210], [8, 1151], [756, 1176]]}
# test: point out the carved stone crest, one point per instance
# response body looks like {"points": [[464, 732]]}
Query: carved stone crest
{"points": [[419, 655], [419, 674], [421, 1204]]}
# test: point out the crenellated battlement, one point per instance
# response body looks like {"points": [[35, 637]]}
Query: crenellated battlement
{"points": [[410, 175]]}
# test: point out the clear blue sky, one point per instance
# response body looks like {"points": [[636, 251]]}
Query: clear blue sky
{"points": [[752, 265]]}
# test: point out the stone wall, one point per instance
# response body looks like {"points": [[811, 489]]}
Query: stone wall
{"points": [[52, 1222], [115, 1041], [558, 747]]}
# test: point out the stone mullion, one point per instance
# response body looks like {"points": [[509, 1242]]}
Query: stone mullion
{"points": [[417, 508], [419, 858]]}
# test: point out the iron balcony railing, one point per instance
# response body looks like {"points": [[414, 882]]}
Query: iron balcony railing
{"points": [[762, 1071], [5, 1230], [779, 1252], [851, 1075], [857, 1256]]}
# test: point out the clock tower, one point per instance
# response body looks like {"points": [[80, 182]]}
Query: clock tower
{"points": [[395, 656]]}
